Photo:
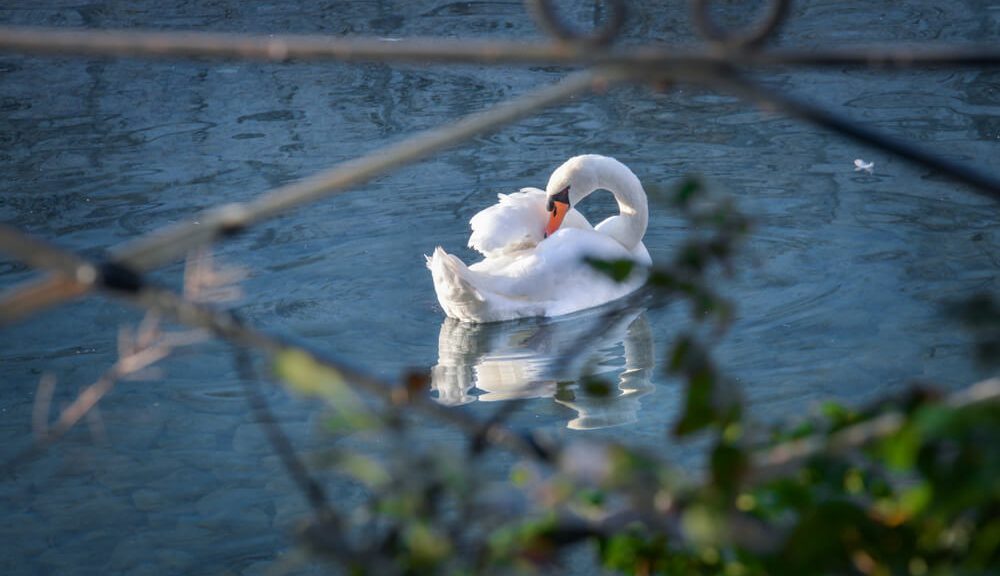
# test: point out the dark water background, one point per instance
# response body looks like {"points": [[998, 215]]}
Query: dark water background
{"points": [[839, 297]]}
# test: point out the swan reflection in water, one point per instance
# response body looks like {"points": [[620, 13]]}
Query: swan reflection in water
{"points": [[550, 358]]}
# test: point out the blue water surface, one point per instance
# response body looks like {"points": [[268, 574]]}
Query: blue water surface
{"points": [[839, 294]]}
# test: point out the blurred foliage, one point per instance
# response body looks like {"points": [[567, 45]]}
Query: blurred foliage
{"points": [[907, 486], [981, 315]]}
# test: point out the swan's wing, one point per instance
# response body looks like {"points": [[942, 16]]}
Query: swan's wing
{"points": [[515, 223], [554, 276]]}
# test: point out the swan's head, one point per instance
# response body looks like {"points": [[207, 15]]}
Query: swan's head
{"points": [[567, 186]]}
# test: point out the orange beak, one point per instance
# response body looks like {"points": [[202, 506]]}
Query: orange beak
{"points": [[557, 213]]}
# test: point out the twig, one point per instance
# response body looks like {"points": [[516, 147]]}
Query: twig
{"points": [[81, 406], [46, 256], [204, 282], [37, 294], [42, 406], [296, 469], [547, 17], [225, 325], [98, 432], [477, 441], [71, 276]]}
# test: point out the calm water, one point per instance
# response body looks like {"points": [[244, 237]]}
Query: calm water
{"points": [[838, 297]]}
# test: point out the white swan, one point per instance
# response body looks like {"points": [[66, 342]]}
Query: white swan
{"points": [[535, 245]]}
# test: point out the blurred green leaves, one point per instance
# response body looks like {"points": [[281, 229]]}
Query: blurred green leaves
{"points": [[981, 316], [904, 486], [305, 375], [617, 270]]}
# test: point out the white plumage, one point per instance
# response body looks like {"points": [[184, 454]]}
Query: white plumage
{"points": [[525, 274]]}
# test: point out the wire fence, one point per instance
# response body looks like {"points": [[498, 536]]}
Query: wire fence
{"points": [[722, 63]]}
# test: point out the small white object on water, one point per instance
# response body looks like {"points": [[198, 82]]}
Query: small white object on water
{"points": [[860, 164]]}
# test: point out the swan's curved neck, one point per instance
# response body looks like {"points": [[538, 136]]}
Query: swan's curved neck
{"points": [[629, 226]]}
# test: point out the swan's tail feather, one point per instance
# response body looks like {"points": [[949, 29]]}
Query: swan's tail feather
{"points": [[452, 283]]}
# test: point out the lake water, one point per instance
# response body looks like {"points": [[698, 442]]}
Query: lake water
{"points": [[839, 295]]}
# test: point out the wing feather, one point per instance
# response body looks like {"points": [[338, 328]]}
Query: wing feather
{"points": [[515, 223]]}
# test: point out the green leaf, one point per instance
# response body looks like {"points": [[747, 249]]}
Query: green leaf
{"points": [[900, 450], [836, 413], [729, 464], [426, 544], [595, 386], [698, 410], [691, 258], [367, 470], [688, 190], [825, 537], [307, 376], [916, 498], [617, 270], [664, 278], [679, 356], [703, 525]]}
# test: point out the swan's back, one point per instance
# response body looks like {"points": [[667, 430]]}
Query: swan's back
{"points": [[550, 280], [515, 223]]}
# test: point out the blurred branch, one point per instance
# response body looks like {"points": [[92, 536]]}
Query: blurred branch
{"points": [[45, 256], [37, 294], [718, 66], [282, 446], [785, 457], [206, 282], [137, 353], [282, 48], [42, 406], [70, 276], [121, 282]]}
